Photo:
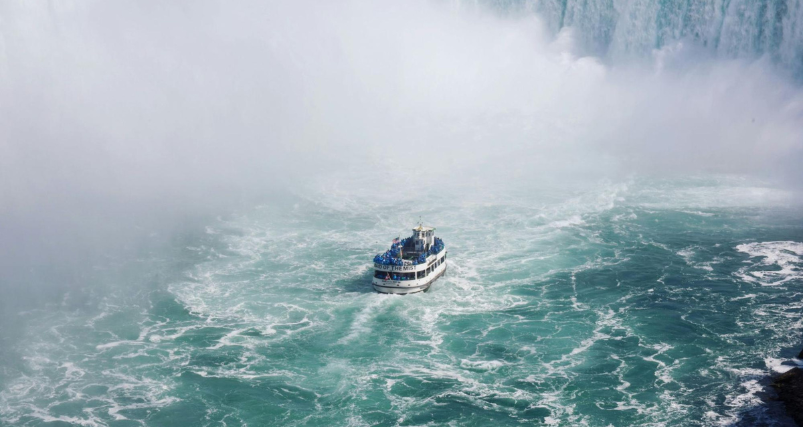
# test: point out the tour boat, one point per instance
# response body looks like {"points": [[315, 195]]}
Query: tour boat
{"points": [[411, 265]]}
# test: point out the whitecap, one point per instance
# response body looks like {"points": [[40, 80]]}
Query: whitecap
{"points": [[482, 365], [786, 256]]}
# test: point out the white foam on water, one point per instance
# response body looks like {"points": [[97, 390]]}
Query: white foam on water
{"points": [[630, 216], [686, 254], [786, 256], [269, 280], [572, 221], [27, 396], [47, 418], [362, 324], [72, 372], [743, 297], [630, 401], [714, 418], [663, 372], [166, 336], [699, 213], [689, 255], [234, 338], [482, 365], [749, 396], [777, 365], [114, 344]]}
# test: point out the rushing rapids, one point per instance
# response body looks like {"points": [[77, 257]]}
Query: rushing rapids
{"points": [[640, 303], [626, 301]]}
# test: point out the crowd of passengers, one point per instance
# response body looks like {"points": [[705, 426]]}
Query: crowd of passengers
{"points": [[393, 256]]}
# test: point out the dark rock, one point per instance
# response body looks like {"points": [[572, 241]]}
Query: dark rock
{"points": [[800, 355], [789, 387]]}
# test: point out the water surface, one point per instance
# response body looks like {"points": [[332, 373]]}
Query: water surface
{"points": [[623, 303]]}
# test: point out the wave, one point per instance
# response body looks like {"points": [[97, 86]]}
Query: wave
{"points": [[779, 263]]}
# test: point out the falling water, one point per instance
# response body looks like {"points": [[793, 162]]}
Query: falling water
{"points": [[622, 29]]}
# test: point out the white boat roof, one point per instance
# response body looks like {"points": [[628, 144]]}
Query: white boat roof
{"points": [[423, 228]]}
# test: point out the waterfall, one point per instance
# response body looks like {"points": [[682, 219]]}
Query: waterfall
{"points": [[619, 29]]}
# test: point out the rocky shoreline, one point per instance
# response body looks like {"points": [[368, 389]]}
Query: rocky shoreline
{"points": [[789, 388]]}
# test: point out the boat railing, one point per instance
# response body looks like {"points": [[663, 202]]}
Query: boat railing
{"points": [[393, 255]]}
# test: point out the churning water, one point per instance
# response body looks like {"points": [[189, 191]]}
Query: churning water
{"points": [[639, 301], [630, 303]]}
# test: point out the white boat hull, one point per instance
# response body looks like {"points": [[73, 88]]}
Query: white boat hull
{"points": [[404, 287]]}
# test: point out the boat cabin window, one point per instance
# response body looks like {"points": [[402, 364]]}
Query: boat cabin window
{"points": [[390, 275]]}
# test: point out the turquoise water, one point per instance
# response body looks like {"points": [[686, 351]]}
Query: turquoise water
{"points": [[623, 303]]}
